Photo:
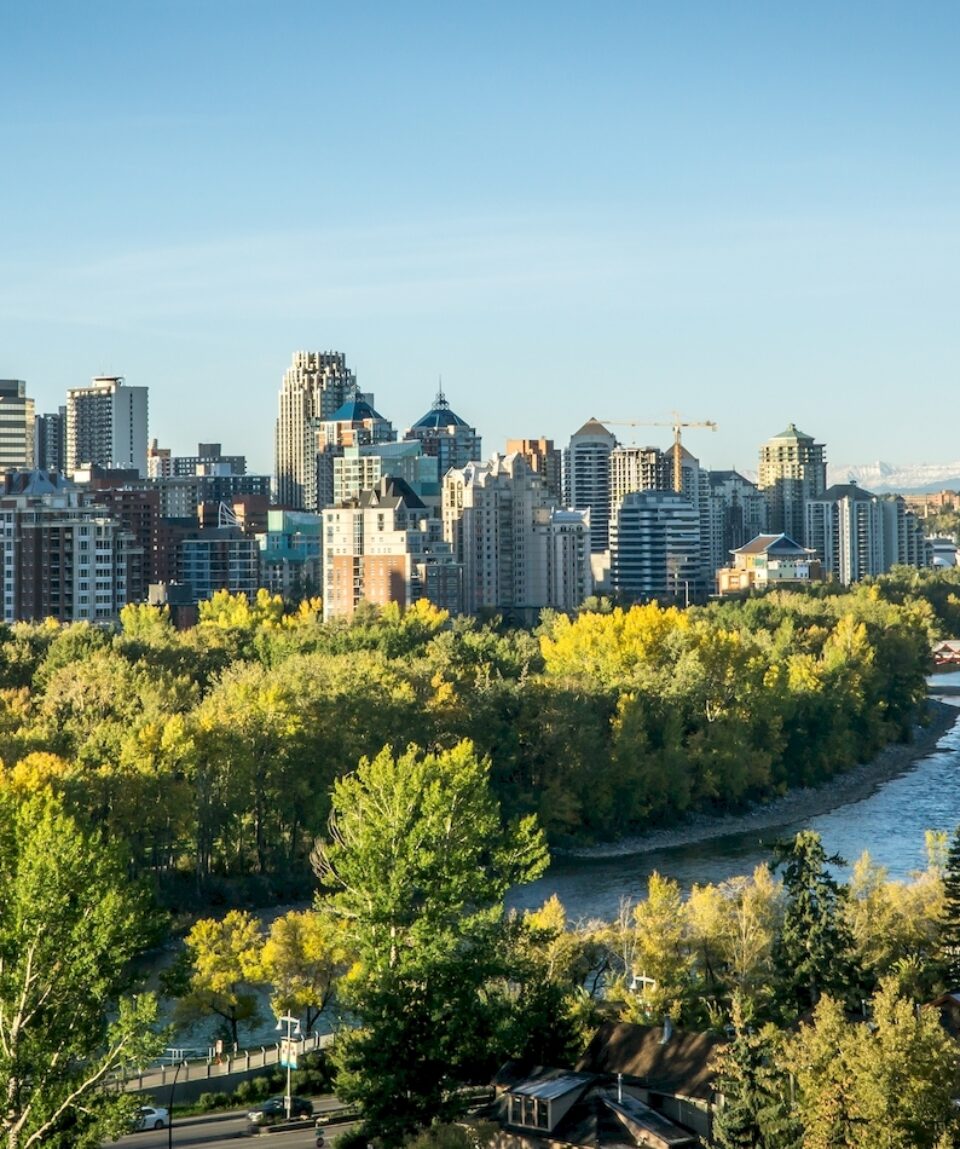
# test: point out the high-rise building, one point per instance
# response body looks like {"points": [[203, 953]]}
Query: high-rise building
{"points": [[638, 469], [543, 458], [291, 554], [354, 424], [50, 441], [361, 468], [793, 470], [314, 387], [209, 460], [218, 558], [384, 546], [586, 478], [159, 461], [445, 436], [510, 536], [739, 513], [61, 556], [655, 547], [107, 425], [16, 426], [857, 534]]}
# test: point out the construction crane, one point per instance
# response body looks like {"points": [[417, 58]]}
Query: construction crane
{"points": [[675, 425]]}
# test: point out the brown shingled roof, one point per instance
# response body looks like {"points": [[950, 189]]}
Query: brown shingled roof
{"points": [[682, 1066]]}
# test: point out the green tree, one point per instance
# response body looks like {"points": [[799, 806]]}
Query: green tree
{"points": [[70, 925], [950, 916], [814, 951], [755, 1112], [416, 868], [219, 969], [301, 959]]}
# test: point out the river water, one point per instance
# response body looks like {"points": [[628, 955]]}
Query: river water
{"points": [[890, 824]]}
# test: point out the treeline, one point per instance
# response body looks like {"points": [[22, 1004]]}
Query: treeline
{"points": [[212, 752]]}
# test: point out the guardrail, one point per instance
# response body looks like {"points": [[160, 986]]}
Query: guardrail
{"points": [[210, 1069]]}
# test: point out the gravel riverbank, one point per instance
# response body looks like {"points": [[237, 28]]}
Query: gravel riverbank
{"points": [[796, 806]]}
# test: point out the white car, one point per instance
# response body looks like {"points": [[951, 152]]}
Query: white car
{"points": [[152, 1117]]}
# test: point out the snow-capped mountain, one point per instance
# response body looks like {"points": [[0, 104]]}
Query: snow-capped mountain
{"points": [[879, 477]]}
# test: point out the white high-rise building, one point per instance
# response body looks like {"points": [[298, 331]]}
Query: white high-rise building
{"points": [[520, 553], [857, 534], [17, 419], [586, 478], [315, 386], [107, 425]]}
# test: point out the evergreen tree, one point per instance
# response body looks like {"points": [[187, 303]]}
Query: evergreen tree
{"points": [[814, 952], [950, 918], [755, 1112]]}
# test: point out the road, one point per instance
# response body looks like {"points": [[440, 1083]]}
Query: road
{"points": [[219, 1130]]}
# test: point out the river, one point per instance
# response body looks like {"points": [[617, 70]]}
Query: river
{"points": [[890, 824]]}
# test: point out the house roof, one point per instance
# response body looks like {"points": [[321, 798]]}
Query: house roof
{"points": [[640, 1119], [772, 544], [681, 1065], [552, 1083]]}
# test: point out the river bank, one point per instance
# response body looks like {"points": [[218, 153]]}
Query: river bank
{"points": [[797, 805]]}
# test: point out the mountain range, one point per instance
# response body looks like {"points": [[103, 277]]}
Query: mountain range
{"points": [[880, 477]]}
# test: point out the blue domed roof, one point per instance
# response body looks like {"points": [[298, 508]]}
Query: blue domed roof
{"points": [[439, 416], [354, 411]]}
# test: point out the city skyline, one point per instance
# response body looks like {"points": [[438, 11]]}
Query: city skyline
{"points": [[742, 215]]}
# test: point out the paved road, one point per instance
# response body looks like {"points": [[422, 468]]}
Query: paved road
{"points": [[220, 1130]]}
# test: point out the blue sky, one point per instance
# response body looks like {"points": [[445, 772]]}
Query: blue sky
{"points": [[745, 212]]}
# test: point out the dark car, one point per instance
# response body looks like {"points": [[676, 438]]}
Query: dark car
{"points": [[276, 1110]]}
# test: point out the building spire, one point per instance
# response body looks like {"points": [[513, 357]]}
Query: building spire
{"points": [[440, 403]]}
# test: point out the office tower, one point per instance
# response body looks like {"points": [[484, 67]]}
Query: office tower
{"points": [[107, 425], [586, 478], [857, 534], [445, 436], [385, 546], [16, 426], [209, 460], [543, 458], [50, 441], [655, 547], [60, 556], [315, 385], [509, 535], [792, 471]]}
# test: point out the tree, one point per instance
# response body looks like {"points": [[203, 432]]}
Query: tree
{"points": [[950, 919], [813, 953], [755, 1113], [70, 926], [416, 868], [886, 1085], [218, 970], [301, 958]]}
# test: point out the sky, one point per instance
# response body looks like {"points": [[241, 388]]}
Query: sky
{"points": [[746, 213]]}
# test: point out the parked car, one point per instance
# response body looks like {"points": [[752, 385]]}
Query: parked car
{"points": [[276, 1110], [152, 1117]]}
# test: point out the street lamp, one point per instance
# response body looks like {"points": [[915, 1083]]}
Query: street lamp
{"points": [[288, 1056], [180, 1064]]}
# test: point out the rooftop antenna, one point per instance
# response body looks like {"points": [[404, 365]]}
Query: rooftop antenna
{"points": [[441, 399]]}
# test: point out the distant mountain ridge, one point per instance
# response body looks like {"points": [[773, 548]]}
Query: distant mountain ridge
{"points": [[880, 477]]}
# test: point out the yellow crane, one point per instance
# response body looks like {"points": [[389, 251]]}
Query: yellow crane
{"points": [[676, 424]]}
